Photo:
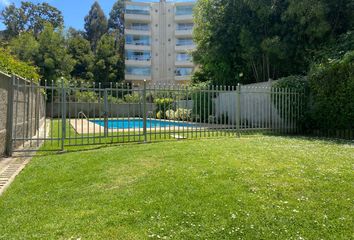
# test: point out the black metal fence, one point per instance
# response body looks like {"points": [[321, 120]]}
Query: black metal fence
{"points": [[80, 115]]}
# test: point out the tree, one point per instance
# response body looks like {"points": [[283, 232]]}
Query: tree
{"points": [[116, 27], [264, 39], [11, 65], [30, 17], [96, 25], [25, 47], [53, 58], [80, 50], [116, 17], [108, 61]]}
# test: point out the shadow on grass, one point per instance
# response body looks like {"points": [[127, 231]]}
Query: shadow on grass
{"points": [[52, 149]]}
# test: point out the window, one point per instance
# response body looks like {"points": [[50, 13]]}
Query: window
{"points": [[184, 10], [141, 71], [137, 55], [184, 71], [134, 9], [139, 26], [184, 42], [185, 26], [183, 57], [137, 40]]}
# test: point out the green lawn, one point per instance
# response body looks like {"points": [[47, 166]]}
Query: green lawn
{"points": [[258, 187]]}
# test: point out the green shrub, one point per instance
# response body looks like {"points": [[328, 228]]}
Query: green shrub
{"points": [[299, 84], [132, 98], [332, 94], [10, 65], [163, 104], [114, 100], [202, 100], [90, 97]]}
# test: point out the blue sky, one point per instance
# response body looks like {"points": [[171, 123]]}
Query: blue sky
{"points": [[73, 11]]}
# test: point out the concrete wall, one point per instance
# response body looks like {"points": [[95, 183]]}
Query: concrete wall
{"points": [[257, 108], [28, 110], [5, 81]]}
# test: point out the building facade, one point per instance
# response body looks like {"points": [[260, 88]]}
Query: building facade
{"points": [[158, 42]]}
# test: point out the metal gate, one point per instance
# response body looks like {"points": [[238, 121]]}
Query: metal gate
{"points": [[59, 115]]}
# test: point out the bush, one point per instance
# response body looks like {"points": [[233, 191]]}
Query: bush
{"points": [[159, 115], [183, 114], [332, 91], [202, 100], [170, 114], [163, 104], [10, 65], [299, 84], [132, 98], [114, 100], [86, 97]]}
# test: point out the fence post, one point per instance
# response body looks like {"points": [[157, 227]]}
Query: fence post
{"points": [[105, 110], [63, 114], [144, 112], [9, 123], [238, 108]]}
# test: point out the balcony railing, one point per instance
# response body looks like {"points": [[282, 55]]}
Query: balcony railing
{"points": [[185, 44], [136, 28], [184, 28], [138, 58], [137, 11], [138, 43]]}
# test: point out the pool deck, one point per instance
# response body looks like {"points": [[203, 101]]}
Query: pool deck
{"points": [[84, 126]]}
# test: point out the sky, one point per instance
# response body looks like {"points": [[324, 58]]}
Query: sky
{"points": [[74, 11]]}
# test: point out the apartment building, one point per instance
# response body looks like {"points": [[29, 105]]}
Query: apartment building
{"points": [[158, 42]]}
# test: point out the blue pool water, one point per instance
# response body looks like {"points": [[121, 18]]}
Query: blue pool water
{"points": [[138, 123]]}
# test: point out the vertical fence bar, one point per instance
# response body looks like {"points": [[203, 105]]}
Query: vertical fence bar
{"points": [[37, 114], [63, 114], [25, 110], [238, 109], [9, 123], [17, 85], [144, 112], [105, 112], [30, 120]]}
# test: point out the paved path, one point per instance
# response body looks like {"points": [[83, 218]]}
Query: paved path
{"points": [[10, 168]]}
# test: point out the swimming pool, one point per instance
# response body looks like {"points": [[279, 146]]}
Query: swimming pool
{"points": [[138, 123]]}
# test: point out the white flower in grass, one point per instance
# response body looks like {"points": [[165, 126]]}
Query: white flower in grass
{"points": [[233, 216]]}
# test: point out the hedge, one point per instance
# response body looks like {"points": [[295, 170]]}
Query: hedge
{"points": [[10, 65], [332, 91]]}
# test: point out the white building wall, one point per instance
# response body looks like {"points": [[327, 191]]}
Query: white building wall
{"points": [[163, 22]]}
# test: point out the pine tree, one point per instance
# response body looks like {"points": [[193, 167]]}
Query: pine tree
{"points": [[116, 17], [96, 25]]}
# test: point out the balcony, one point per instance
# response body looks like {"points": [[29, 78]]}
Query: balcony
{"points": [[131, 77], [134, 31], [130, 17], [184, 48], [184, 63], [184, 33], [184, 18], [137, 47], [138, 62], [183, 78]]}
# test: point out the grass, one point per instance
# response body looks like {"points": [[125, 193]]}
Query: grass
{"points": [[258, 187]]}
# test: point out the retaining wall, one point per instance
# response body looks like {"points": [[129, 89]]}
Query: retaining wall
{"points": [[28, 111]]}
